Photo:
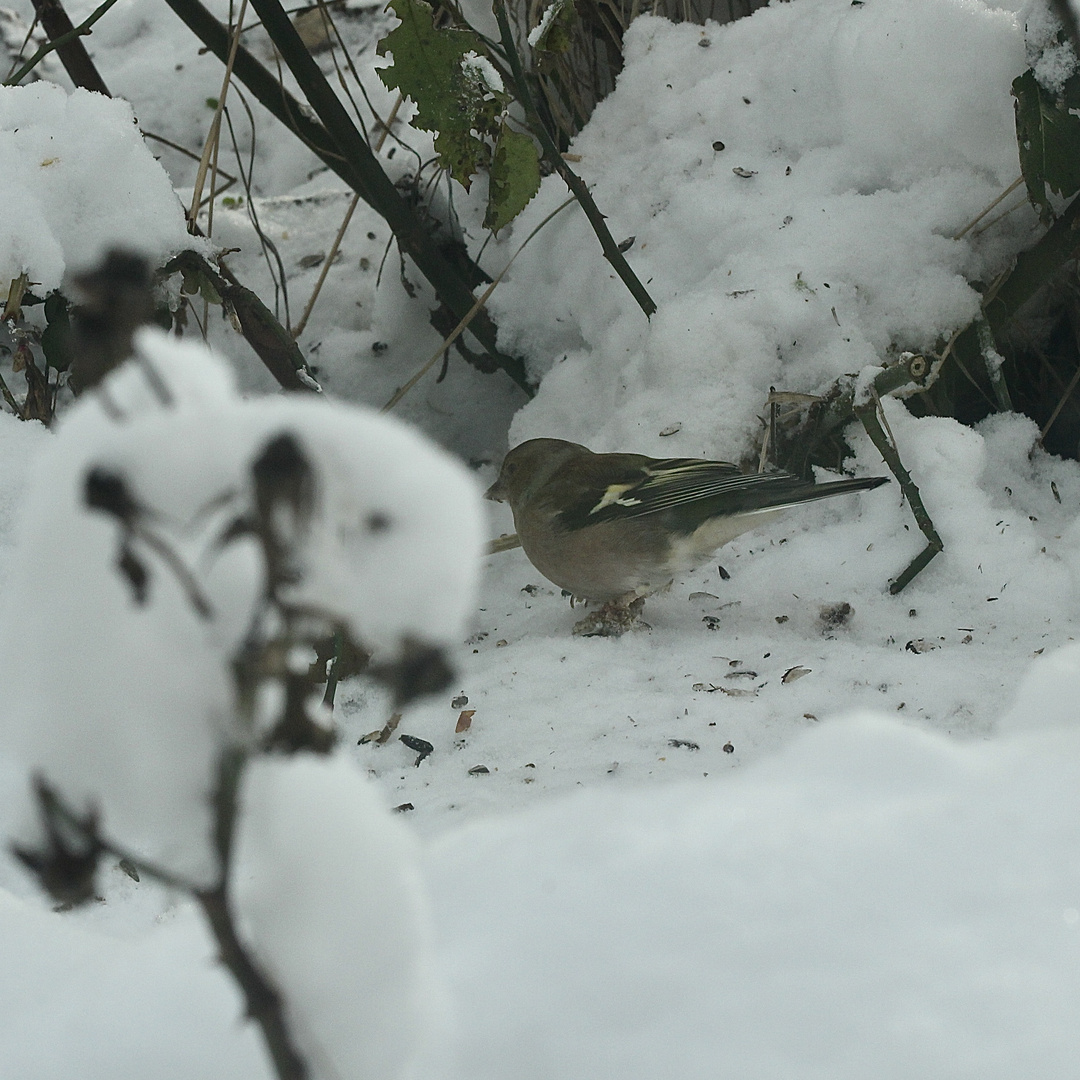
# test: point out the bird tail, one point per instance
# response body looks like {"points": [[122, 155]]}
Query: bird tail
{"points": [[833, 487]]}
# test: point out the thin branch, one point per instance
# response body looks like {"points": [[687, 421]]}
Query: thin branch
{"points": [[215, 124], [402, 391], [344, 150], [325, 269], [1000, 217], [185, 578], [978, 217], [281, 284], [52, 46], [73, 55], [506, 542], [190, 154], [262, 331], [262, 998], [25, 41], [571, 179]]}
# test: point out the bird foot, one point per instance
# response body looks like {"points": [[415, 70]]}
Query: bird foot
{"points": [[613, 620]]}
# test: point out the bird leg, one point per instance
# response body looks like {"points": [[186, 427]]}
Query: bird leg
{"points": [[613, 619]]}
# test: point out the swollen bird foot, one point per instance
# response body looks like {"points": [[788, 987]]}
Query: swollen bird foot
{"points": [[613, 620]]}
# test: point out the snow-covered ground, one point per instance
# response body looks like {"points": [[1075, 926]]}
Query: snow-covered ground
{"points": [[755, 840]]}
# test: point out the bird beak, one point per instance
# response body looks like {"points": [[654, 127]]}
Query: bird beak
{"points": [[495, 493]]}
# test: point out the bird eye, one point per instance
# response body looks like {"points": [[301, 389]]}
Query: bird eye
{"points": [[377, 522]]}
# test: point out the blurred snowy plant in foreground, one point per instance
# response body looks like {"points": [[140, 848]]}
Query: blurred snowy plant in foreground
{"points": [[182, 551]]}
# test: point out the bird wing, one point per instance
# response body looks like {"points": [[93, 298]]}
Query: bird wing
{"points": [[633, 488], [689, 491]]}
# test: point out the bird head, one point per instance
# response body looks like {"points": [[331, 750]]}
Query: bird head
{"points": [[529, 466]]}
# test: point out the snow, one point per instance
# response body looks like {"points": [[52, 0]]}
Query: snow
{"points": [[873, 900], [157, 999], [483, 71], [538, 31], [764, 836], [869, 152], [139, 718], [328, 888], [1052, 61], [77, 180]]}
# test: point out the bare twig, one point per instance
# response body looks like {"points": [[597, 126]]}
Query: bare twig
{"points": [[268, 247], [1001, 217], [194, 157], [570, 178], [52, 46], [262, 331], [507, 542], [325, 269], [978, 217], [459, 329], [262, 999], [871, 416], [215, 124]]}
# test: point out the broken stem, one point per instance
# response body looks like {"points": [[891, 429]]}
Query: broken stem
{"points": [[869, 414]]}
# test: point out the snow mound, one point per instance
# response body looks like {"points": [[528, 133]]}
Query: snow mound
{"points": [[77, 181], [793, 214], [872, 901], [118, 644]]}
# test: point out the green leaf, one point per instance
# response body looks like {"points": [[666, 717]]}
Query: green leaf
{"points": [[456, 91], [515, 178], [1048, 138], [56, 337], [196, 283], [556, 30]]}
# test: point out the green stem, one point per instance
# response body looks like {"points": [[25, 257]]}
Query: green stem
{"points": [[52, 46], [571, 179], [332, 674], [73, 55], [868, 414], [993, 361]]}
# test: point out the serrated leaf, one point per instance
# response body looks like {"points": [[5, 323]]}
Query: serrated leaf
{"points": [[456, 92], [555, 32], [1048, 139], [463, 156], [515, 178]]}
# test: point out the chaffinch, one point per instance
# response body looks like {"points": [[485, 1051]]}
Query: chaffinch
{"points": [[614, 528]]}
